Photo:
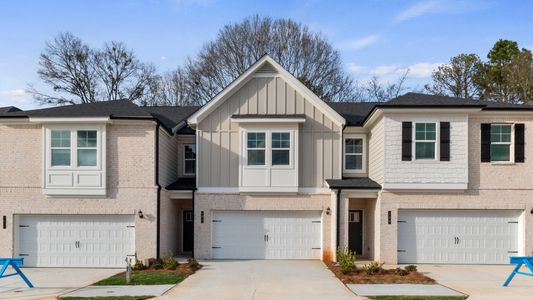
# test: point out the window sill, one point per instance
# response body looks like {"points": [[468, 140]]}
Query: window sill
{"points": [[502, 163]]}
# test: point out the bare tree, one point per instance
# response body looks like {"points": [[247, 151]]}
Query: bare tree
{"points": [[379, 91], [79, 74], [459, 78], [306, 55], [519, 75]]}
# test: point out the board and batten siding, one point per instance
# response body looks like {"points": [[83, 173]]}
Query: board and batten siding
{"points": [[376, 150], [218, 137]]}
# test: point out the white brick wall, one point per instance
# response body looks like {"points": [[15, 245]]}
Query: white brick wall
{"points": [[426, 171]]}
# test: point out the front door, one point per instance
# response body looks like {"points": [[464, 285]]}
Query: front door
{"points": [[187, 230], [355, 231]]}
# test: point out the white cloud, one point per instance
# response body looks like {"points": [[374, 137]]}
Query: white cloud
{"points": [[419, 9], [163, 58], [384, 70], [14, 97], [359, 43], [423, 69], [441, 6], [355, 68], [13, 93]]}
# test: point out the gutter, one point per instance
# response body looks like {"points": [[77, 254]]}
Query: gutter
{"points": [[338, 218], [158, 210]]}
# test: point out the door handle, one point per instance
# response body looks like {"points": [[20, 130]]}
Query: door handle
{"points": [[458, 241]]}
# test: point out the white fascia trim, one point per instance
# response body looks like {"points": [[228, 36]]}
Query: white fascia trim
{"points": [[308, 94], [70, 120], [262, 189], [362, 193], [269, 75], [312, 190], [74, 192], [425, 186], [268, 120]]}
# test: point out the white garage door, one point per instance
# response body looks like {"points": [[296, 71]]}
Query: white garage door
{"points": [[457, 236], [267, 235], [75, 240]]}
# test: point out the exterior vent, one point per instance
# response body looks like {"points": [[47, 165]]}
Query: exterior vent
{"points": [[266, 68]]}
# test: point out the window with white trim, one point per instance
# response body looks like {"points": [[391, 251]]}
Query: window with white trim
{"points": [[87, 148], [190, 159], [60, 148], [500, 142], [281, 148], [353, 154], [256, 148], [425, 140]]}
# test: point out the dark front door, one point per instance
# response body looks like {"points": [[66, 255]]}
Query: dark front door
{"points": [[355, 231], [187, 230]]}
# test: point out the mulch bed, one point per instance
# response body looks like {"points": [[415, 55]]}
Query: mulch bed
{"points": [[386, 276]]}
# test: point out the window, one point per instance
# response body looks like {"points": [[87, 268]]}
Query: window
{"points": [[87, 147], [425, 140], [281, 147], [500, 142], [190, 159], [353, 154], [256, 148], [60, 148]]}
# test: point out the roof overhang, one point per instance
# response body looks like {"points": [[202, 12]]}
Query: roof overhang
{"points": [[378, 111], [42, 120], [203, 112]]}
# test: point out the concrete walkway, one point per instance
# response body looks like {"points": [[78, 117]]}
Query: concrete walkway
{"points": [[50, 282], [120, 290], [481, 282], [402, 290], [261, 279]]}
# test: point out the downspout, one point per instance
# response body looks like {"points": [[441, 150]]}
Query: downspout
{"points": [[338, 217], [194, 222], [158, 210]]}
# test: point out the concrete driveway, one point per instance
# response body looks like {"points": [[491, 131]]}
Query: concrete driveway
{"points": [[261, 279], [50, 282], [481, 282]]}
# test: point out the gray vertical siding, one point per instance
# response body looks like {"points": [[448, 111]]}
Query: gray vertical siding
{"points": [[219, 144]]}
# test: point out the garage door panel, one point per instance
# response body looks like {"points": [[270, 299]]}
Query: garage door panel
{"points": [[76, 240], [266, 235], [426, 236]]}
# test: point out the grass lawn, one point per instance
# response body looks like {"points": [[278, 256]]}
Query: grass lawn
{"points": [[147, 277], [417, 297], [108, 298]]}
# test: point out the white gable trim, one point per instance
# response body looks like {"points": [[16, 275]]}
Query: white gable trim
{"points": [[246, 76]]}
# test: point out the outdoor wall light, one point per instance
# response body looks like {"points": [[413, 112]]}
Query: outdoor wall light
{"points": [[531, 211], [328, 211], [140, 214]]}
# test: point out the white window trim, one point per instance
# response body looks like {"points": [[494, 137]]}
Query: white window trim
{"points": [[185, 159], [510, 143], [74, 147], [437, 138], [73, 172], [265, 149], [272, 149], [365, 151]]}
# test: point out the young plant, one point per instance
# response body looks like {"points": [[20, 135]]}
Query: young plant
{"points": [[169, 262], [346, 260], [401, 272], [410, 268], [193, 264], [374, 267]]}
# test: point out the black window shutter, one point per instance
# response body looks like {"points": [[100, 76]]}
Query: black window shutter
{"points": [[445, 141], [519, 143], [407, 133], [485, 142]]}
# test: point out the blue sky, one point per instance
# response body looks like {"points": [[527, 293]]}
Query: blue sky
{"points": [[375, 37]]}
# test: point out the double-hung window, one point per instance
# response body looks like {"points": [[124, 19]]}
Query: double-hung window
{"points": [[281, 148], [190, 159], [60, 148], [425, 140], [500, 142], [87, 148], [353, 154], [256, 148]]}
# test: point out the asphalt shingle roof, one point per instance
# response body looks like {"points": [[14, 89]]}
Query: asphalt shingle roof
{"points": [[170, 116], [182, 184], [353, 183]]}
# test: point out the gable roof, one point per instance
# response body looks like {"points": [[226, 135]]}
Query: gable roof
{"points": [[271, 65], [170, 116], [8, 109]]}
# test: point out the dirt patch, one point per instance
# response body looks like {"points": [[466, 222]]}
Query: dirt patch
{"points": [[386, 276]]}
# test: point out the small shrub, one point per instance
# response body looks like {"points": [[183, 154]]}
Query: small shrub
{"points": [[193, 263], [157, 266], [372, 268], [410, 268], [138, 266], [401, 272], [346, 260], [169, 262]]}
